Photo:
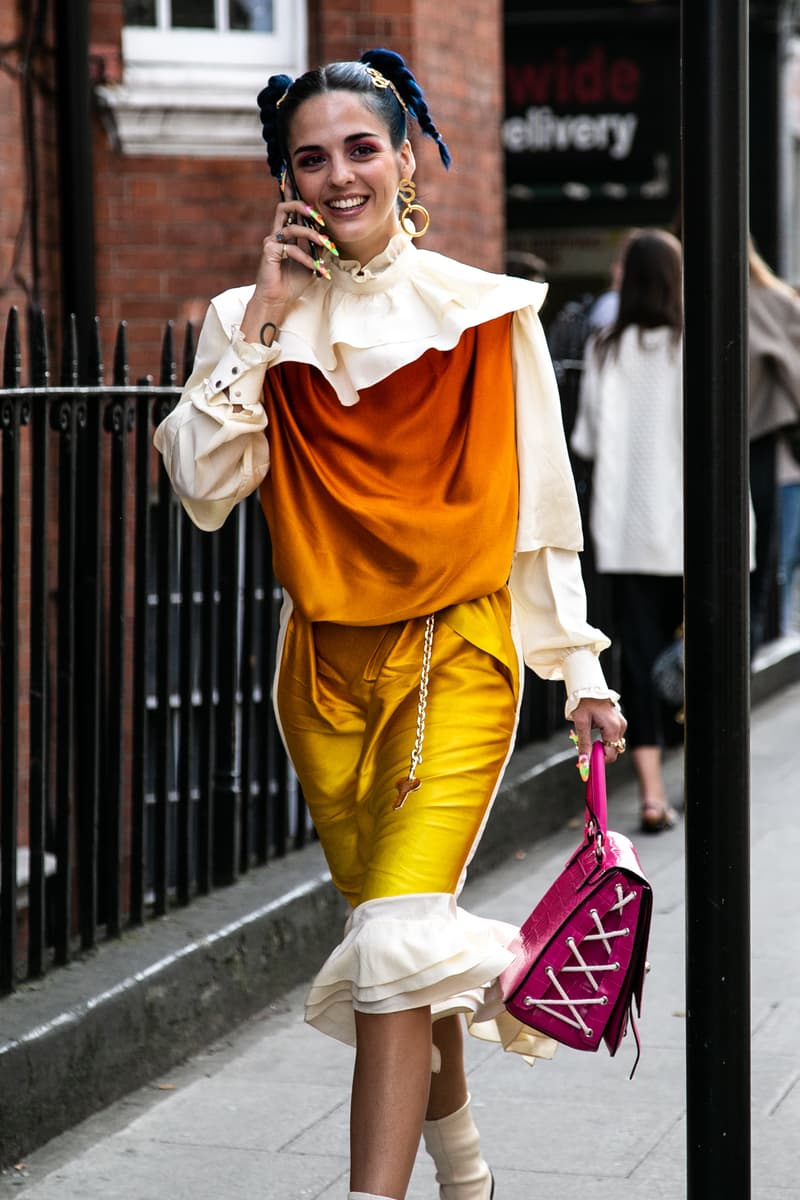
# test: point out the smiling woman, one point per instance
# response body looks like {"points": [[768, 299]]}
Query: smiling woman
{"points": [[399, 414]]}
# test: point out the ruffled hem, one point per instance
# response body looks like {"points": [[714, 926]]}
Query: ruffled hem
{"points": [[405, 952]]}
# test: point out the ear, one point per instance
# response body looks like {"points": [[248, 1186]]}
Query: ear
{"points": [[408, 164]]}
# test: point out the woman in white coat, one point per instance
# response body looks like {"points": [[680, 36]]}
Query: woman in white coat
{"points": [[630, 424]]}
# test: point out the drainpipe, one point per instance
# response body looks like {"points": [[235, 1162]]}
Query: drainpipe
{"points": [[75, 178]]}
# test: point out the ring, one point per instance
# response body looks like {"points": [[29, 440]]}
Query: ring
{"points": [[285, 253], [618, 745], [280, 236]]}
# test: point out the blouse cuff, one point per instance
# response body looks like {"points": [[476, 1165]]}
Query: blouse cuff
{"points": [[584, 679], [238, 377]]}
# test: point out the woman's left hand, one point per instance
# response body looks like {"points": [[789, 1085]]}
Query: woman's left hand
{"points": [[605, 716]]}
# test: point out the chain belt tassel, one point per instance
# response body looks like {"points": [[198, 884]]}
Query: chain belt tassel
{"points": [[411, 783]]}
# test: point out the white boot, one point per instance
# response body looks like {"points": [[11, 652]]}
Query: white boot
{"points": [[454, 1145], [365, 1196]]}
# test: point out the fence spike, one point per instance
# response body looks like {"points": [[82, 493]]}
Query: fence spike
{"points": [[12, 355], [189, 350], [95, 353], [39, 348], [168, 357], [121, 375], [69, 362]]}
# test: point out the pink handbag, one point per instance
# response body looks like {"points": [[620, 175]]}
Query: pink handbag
{"points": [[581, 953]]}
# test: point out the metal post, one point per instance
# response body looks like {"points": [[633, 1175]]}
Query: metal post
{"points": [[76, 183], [714, 116]]}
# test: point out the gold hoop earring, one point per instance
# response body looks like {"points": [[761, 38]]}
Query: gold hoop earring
{"points": [[407, 192]]}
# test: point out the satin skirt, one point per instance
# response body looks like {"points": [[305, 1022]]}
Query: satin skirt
{"points": [[347, 700]]}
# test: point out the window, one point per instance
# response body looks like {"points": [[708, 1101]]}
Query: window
{"points": [[192, 70]]}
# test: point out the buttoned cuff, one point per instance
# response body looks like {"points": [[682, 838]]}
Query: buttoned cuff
{"points": [[238, 377]]}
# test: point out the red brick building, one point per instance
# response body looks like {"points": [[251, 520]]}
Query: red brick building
{"points": [[179, 191]]}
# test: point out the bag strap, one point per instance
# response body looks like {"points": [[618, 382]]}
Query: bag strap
{"points": [[596, 801]]}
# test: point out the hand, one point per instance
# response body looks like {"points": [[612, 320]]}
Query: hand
{"points": [[285, 267], [605, 716]]}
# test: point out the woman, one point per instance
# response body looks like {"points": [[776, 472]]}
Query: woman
{"points": [[399, 414], [774, 407], [630, 423]]}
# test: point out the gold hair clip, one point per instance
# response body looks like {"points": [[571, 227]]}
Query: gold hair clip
{"points": [[383, 83], [278, 103]]}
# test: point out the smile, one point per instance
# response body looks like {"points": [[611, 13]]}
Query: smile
{"points": [[349, 202]]}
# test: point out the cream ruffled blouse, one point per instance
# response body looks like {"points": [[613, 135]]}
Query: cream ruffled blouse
{"points": [[356, 329]]}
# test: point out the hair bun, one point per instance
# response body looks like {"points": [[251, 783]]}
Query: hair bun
{"points": [[394, 67]]}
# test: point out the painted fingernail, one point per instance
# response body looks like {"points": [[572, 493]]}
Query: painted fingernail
{"points": [[312, 212], [321, 269], [329, 245], [583, 767], [573, 737]]}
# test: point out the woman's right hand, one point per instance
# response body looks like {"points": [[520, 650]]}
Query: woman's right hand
{"points": [[286, 267]]}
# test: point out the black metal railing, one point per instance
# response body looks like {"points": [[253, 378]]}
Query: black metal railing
{"points": [[140, 763]]}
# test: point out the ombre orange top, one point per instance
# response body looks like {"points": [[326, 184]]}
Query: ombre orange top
{"points": [[404, 503]]}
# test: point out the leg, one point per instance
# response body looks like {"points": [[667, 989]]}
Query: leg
{"points": [[449, 1085], [390, 1092], [451, 1137], [656, 812], [789, 557]]}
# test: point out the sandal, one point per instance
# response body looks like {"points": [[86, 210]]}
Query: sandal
{"points": [[657, 817]]}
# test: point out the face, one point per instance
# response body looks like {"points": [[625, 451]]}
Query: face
{"points": [[345, 166]]}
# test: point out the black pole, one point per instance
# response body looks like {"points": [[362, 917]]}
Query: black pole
{"points": [[76, 184], [714, 116]]}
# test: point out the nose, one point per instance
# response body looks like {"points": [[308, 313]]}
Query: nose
{"points": [[340, 170]]}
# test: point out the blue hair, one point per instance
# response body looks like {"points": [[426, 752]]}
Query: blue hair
{"points": [[281, 98]]}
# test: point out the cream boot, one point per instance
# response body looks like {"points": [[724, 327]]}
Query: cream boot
{"points": [[365, 1196], [454, 1145]]}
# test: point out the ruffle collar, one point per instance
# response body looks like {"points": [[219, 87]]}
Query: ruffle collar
{"points": [[370, 320]]}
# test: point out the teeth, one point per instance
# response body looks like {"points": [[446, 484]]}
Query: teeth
{"points": [[350, 203]]}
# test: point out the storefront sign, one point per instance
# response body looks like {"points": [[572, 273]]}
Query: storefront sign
{"points": [[591, 116]]}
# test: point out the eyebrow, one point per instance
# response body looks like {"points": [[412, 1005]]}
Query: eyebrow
{"points": [[353, 137]]}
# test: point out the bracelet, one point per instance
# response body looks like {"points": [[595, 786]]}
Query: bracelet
{"points": [[267, 325]]}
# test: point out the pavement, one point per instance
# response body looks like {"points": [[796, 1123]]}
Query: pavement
{"points": [[263, 1113]]}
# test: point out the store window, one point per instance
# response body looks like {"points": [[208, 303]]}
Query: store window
{"points": [[192, 70]]}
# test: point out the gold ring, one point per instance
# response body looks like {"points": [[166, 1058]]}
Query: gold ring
{"points": [[618, 745]]}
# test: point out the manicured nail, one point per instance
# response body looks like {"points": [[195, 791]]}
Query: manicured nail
{"points": [[312, 212], [573, 737], [321, 269], [328, 244], [583, 767]]}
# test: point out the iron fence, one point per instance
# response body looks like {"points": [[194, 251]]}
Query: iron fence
{"points": [[140, 763]]}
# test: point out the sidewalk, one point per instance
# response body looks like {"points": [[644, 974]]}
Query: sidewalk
{"points": [[263, 1115]]}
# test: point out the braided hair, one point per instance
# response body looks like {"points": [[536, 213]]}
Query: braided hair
{"points": [[281, 98]]}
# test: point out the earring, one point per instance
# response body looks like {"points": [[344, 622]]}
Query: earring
{"points": [[407, 191]]}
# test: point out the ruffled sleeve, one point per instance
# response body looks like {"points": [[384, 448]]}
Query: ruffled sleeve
{"points": [[213, 442]]}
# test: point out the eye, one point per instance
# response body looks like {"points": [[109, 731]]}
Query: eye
{"points": [[364, 150], [309, 161]]}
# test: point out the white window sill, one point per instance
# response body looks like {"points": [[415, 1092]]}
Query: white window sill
{"points": [[195, 94]]}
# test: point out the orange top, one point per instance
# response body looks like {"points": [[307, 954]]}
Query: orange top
{"points": [[404, 503]]}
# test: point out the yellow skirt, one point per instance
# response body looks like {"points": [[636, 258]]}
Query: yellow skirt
{"points": [[347, 701]]}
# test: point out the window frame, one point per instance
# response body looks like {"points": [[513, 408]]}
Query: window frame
{"points": [[193, 91]]}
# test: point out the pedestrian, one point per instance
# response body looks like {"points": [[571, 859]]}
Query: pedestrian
{"points": [[398, 411], [629, 424], [774, 409]]}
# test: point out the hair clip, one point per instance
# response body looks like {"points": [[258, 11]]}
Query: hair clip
{"points": [[380, 81], [281, 99]]}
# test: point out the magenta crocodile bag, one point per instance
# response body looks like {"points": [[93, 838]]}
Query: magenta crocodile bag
{"points": [[581, 953]]}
